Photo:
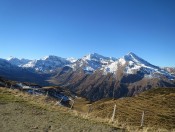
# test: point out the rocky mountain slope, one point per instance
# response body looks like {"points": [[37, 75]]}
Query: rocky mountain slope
{"points": [[125, 76]]}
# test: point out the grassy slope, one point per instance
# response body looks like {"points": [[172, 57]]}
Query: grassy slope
{"points": [[22, 112], [158, 104]]}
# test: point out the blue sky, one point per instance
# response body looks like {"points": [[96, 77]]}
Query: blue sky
{"points": [[73, 28]]}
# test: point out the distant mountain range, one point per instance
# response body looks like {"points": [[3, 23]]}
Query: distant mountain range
{"points": [[92, 76], [45, 64]]}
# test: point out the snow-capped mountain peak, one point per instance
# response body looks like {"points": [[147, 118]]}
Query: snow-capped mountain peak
{"points": [[10, 58], [97, 57], [92, 62], [131, 64], [92, 56], [47, 63], [16, 61], [52, 57], [45, 58], [134, 58]]}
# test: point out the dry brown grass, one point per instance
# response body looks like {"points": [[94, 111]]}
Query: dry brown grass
{"points": [[81, 105], [158, 104]]}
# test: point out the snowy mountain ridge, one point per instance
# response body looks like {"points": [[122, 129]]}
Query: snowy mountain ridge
{"points": [[92, 62], [71, 59], [17, 61], [129, 63], [45, 64]]}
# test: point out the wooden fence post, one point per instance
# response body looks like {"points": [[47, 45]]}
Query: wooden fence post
{"points": [[61, 100], [142, 119], [113, 114], [72, 104], [90, 108], [47, 94]]}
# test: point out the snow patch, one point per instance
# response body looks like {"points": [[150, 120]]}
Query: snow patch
{"points": [[71, 59], [88, 68], [112, 68], [30, 64]]}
